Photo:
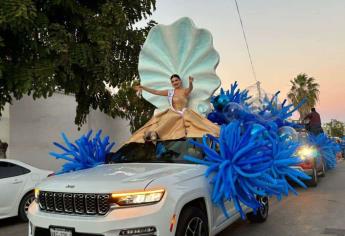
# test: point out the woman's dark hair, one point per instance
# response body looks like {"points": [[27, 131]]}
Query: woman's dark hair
{"points": [[175, 75]]}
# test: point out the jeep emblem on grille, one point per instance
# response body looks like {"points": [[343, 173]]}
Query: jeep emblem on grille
{"points": [[70, 186]]}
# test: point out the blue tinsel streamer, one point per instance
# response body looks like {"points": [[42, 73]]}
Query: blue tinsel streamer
{"points": [[84, 153]]}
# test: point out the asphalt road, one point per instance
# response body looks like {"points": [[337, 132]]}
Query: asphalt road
{"points": [[316, 211]]}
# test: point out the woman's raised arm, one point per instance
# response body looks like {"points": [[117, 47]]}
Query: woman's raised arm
{"points": [[190, 88], [153, 91]]}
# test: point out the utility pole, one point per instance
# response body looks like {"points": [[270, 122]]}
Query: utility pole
{"points": [[258, 87]]}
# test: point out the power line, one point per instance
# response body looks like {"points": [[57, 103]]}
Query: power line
{"points": [[245, 39]]}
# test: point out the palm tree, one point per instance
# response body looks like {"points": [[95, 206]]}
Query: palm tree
{"points": [[304, 87]]}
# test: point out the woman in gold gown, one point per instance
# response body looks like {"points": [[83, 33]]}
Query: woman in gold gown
{"points": [[178, 121]]}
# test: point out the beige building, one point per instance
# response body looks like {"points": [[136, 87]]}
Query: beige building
{"points": [[30, 128]]}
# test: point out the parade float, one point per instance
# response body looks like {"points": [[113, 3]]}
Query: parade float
{"points": [[200, 163]]}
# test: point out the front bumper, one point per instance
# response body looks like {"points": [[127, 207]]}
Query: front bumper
{"points": [[109, 225], [306, 171]]}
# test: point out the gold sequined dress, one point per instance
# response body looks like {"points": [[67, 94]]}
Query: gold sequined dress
{"points": [[176, 122]]}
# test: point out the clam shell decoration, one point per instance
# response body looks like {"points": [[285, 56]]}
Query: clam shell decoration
{"points": [[181, 49]]}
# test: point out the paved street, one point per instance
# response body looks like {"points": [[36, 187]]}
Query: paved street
{"points": [[12, 227], [316, 211]]}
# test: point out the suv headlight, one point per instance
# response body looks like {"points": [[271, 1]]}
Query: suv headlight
{"points": [[137, 198], [306, 152]]}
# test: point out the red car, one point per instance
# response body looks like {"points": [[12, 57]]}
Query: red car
{"points": [[313, 164]]}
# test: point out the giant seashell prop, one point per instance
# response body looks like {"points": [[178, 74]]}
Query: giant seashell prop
{"points": [[183, 49]]}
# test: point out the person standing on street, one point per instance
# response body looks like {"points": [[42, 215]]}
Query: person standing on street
{"points": [[3, 148], [314, 125]]}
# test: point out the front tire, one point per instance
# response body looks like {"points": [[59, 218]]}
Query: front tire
{"points": [[314, 179], [24, 206], [323, 171], [192, 222], [261, 214]]}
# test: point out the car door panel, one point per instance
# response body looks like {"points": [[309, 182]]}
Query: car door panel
{"points": [[13, 178], [219, 215], [12, 187]]}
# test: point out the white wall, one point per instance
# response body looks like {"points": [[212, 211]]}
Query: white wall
{"points": [[117, 129], [35, 125]]}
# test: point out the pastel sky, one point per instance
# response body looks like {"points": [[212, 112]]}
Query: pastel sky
{"points": [[285, 37]]}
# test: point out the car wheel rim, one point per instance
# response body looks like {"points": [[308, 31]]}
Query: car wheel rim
{"points": [[263, 209], [195, 227], [28, 203]]}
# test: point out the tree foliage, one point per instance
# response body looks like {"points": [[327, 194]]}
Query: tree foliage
{"points": [[78, 47], [302, 87], [335, 128]]}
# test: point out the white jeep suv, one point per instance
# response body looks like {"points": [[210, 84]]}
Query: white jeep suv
{"points": [[144, 189]]}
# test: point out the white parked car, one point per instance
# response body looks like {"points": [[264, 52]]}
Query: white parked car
{"points": [[143, 190], [17, 183]]}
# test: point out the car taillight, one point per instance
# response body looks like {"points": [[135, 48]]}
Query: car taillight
{"points": [[307, 164]]}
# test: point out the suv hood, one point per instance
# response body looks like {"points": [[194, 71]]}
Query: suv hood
{"points": [[116, 177]]}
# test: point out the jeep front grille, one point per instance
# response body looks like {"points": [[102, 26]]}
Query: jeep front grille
{"points": [[74, 203]]}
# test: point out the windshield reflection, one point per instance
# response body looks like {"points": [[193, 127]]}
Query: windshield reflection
{"points": [[171, 151]]}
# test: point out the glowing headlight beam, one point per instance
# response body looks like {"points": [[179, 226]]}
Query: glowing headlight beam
{"points": [[37, 193], [137, 198], [306, 152]]}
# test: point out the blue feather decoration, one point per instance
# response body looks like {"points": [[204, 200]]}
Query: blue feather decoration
{"points": [[234, 95], [248, 166], [327, 148], [84, 153], [233, 105], [342, 144], [246, 162]]}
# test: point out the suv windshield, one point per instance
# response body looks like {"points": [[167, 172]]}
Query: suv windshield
{"points": [[303, 137], [171, 151]]}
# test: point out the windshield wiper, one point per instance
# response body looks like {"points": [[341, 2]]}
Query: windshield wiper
{"points": [[143, 161]]}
